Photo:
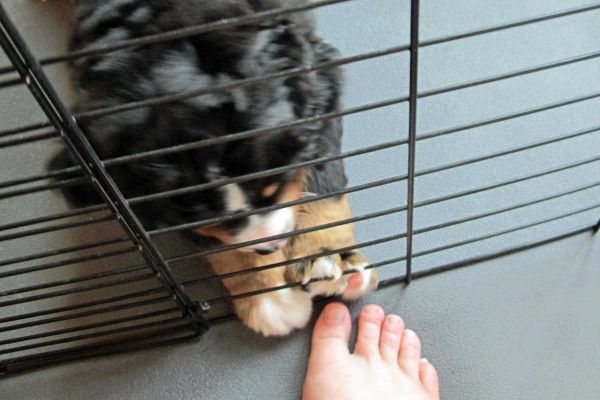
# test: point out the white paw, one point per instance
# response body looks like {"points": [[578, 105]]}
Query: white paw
{"points": [[280, 312], [333, 282]]}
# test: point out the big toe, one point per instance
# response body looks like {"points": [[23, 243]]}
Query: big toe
{"points": [[429, 378], [331, 332]]}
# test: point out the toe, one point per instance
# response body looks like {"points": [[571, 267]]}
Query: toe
{"points": [[410, 353], [391, 335], [331, 332], [429, 378], [369, 328]]}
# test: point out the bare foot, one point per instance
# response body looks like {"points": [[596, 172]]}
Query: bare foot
{"points": [[386, 363]]}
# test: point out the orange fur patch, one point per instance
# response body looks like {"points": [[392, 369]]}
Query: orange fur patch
{"points": [[270, 190]]}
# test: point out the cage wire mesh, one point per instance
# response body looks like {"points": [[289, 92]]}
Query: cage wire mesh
{"points": [[76, 282]]}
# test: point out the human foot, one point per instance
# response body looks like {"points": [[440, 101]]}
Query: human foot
{"points": [[386, 363]]}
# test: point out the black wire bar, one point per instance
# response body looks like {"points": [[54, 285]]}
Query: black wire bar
{"points": [[54, 228], [163, 322], [66, 172], [345, 249], [50, 103], [66, 262], [393, 237], [220, 249], [430, 228], [224, 217], [29, 139], [170, 323], [412, 132], [10, 82], [169, 98], [305, 200], [425, 136], [61, 251], [158, 100], [82, 314], [275, 171], [183, 32], [213, 141], [297, 71], [46, 186], [257, 17], [514, 24], [58, 174], [354, 110], [485, 257], [113, 321], [389, 238], [53, 217], [25, 128], [513, 74], [166, 336], [70, 281], [120, 271], [355, 219], [227, 217], [144, 328], [443, 39], [80, 289], [228, 298]]}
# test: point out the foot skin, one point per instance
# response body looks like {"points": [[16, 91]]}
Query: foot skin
{"points": [[386, 363]]}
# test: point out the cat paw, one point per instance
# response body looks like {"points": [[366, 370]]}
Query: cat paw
{"points": [[276, 313], [328, 275]]}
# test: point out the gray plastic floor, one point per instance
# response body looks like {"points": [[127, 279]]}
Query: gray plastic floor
{"points": [[520, 327]]}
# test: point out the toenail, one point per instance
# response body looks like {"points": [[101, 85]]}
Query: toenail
{"points": [[333, 315], [373, 311], [424, 360], [393, 322], [410, 333]]}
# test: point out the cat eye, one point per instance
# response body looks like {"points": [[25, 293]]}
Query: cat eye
{"points": [[270, 190]]}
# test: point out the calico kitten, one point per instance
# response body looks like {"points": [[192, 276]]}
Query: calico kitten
{"points": [[209, 59]]}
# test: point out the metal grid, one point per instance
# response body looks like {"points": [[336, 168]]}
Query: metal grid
{"points": [[121, 315]]}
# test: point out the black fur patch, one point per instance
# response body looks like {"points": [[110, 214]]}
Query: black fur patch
{"points": [[202, 61]]}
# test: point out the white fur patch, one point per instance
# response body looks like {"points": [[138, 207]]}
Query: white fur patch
{"points": [[271, 224], [278, 221], [280, 312], [235, 199], [259, 226]]}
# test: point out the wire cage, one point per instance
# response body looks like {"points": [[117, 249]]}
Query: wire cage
{"points": [[118, 286]]}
